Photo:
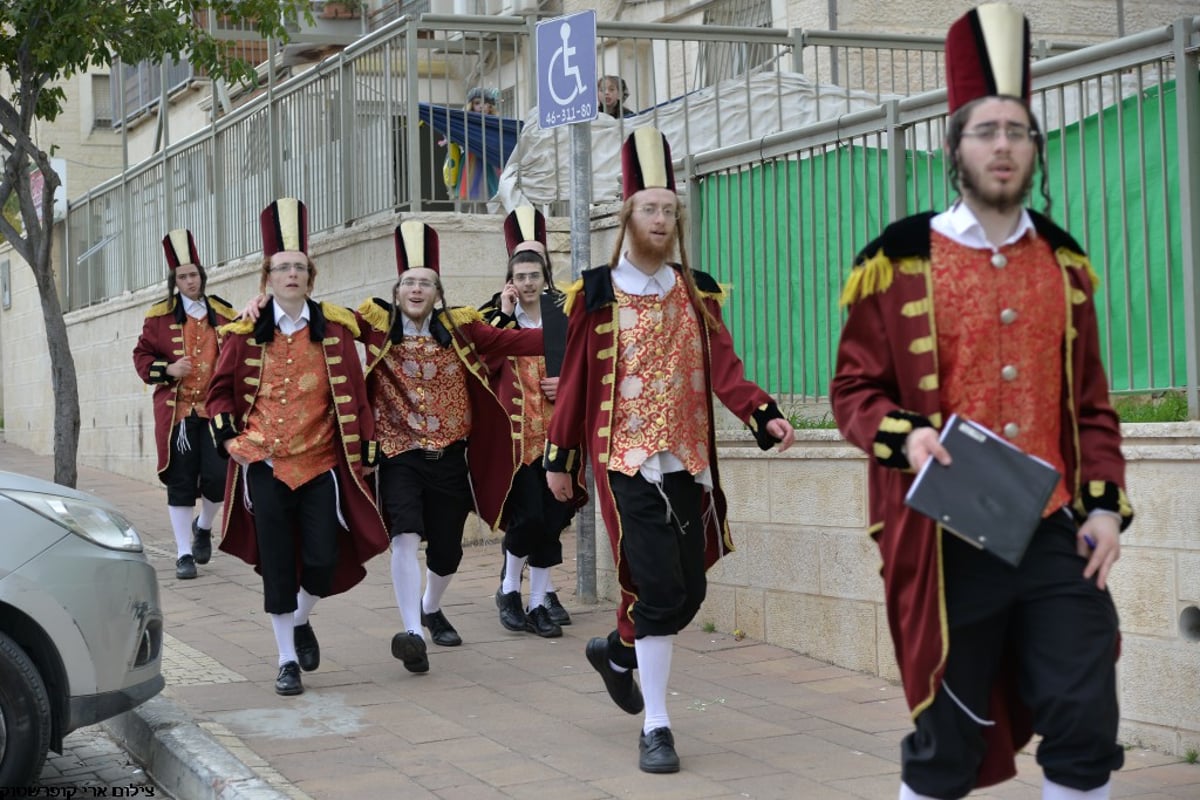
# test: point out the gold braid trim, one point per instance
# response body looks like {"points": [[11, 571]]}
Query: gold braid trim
{"points": [[571, 292], [374, 316], [462, 315], [342, 316], [161, 308], [870, 277], [1069, 258]]}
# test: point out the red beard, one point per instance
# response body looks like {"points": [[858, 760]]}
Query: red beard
{"points": [[642, 243]]}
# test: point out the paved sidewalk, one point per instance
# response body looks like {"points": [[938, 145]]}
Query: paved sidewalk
{"points": [[505, 715]]}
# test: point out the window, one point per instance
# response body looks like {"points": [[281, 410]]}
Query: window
{"points": [[720, 60], [102, 102]]}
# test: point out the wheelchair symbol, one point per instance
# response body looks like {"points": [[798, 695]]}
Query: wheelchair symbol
{"points": [[569, 70]]}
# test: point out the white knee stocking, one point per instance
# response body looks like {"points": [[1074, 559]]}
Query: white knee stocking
{"points": [[1056, 791], [181, 526], [285, 638], [406, 580], [654, 668], [435, 587]]}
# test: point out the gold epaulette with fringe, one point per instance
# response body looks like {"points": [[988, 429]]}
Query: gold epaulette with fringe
{"points": [[1070, 258], [720, 296], [374, 315], [222, 308], [869, 277], [238, 326], [461, 315], [342, 316], [161, 308], [571, 292]]}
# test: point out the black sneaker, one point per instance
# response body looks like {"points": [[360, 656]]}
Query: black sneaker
{"points": [[201, 542], [185, 567], [440, 629], [656, 751], [558, 614], [409, 647], [538, 621], [288, 682], [620, 685], [512, 616], [308, 650]]}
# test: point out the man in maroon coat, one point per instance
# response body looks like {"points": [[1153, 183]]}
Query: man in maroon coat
{"points": [[446, 443], [176, 354], [646, 350], [985, 310], [289, 406]]}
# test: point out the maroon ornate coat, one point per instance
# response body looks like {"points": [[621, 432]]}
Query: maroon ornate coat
{"points": [[886, 383], [583, 411], [160, 345], [491, 454], [510, 391], [231, 397]]}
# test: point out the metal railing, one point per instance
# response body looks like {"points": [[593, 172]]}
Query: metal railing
{"points": [[345, 135], [780, 219]]}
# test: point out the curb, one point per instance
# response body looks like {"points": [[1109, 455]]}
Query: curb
{"points": [[184, 759]]}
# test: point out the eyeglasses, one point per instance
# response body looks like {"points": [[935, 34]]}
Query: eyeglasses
{"points": [[668, 212], [1014, 132], [526, 277], [410, 283], [279, 269]]}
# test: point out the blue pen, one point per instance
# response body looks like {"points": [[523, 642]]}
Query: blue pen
{"points": [[1090, 541]]}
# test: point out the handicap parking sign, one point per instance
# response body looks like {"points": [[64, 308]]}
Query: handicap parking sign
{"points": [[566, 65]]}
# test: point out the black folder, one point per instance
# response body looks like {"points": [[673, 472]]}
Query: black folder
{"points": [[992, 494], [554, 333]]}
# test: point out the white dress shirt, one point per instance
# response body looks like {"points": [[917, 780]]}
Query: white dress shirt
{"points": [[196, 309], [286, 324]]}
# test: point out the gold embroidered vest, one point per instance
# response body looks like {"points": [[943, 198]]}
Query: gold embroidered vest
{"points": [[661, 394], [291, 421], [1000, 352], [420, 397], [200, 344], [535, 408]]}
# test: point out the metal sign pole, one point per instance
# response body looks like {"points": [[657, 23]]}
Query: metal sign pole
{"points": [[566, 69], [581, 258]]}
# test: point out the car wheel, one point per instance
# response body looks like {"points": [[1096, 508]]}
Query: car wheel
{"points": [[24, 717]]}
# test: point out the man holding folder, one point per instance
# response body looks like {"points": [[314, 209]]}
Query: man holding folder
{"points": [[985, 310]]}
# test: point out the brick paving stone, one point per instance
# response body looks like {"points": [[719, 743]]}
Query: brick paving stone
{"points": [[91, 760], [513, 716]]}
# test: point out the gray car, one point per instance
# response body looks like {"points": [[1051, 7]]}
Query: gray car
{"points": [[80, 620]]}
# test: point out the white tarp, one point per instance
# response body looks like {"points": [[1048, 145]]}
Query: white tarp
{"points": [[538, 171]]}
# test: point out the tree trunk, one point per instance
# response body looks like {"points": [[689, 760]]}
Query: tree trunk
{"points": [[62, 365]]}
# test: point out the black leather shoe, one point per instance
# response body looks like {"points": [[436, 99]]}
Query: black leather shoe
{"points": [[308, 650], [409, 647], [512, 616], [538, 621], [558, 614], [201, 542], [621, 687], [288, 682], [656, 751], [440, 629], [185, 567]]}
